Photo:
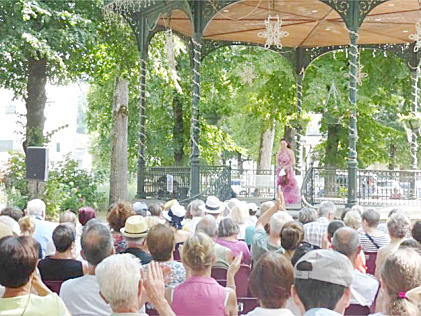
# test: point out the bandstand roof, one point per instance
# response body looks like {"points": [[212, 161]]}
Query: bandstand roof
{"points": [[310, 23]]}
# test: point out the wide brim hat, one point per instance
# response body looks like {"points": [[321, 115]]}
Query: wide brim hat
{"points": [[213, 205], [135, 227]]}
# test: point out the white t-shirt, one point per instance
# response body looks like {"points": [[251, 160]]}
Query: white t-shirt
{"points": [[81, 296], [366, 287], [260, 311]]}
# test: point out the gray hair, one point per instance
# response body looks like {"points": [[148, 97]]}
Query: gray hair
{"points": [[208, 226], [67, 217], [265, 206], [371, 216], [118, 278], [399, 225], [277, 222], [346, 241], [307, 215], [194, 208], [97, 242], [353, 219], [36, 207], [326, 208], [227, 227]]}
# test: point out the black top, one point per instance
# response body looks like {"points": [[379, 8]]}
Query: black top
{"points": [[143, 256], [60, 269]]}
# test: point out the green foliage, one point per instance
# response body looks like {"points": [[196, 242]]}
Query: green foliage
{"points": [[68, 187]]}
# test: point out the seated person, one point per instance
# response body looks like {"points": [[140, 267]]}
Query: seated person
{"points": [[161, 245], [134, 232], [292, 235], [18, 260], [63, 264], [228, 237], [200, 294], [270, 282]]}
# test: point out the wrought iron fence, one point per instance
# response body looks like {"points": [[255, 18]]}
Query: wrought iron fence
{"points": [[253, 183], [374, 187]]}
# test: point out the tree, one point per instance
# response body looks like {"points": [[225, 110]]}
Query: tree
{"points": [[43, 41]]}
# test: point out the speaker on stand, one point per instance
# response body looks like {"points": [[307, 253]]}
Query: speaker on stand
{"points": [[36, 170]]}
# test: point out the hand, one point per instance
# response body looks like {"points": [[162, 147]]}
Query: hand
{"points": [[235, 265], [154, 284]]}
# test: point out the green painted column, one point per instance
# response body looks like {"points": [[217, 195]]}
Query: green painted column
{"points": [[299, 131], [353, 132], [414, 136], [142, 135], [194, 131]]}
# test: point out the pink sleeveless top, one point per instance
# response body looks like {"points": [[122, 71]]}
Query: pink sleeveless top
{"points": [[199, 296]]}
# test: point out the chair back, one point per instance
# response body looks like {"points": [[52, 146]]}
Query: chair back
{"points": [[355, 309], [242, 281], [176, 255], [54, 286], [219, 273], [246, 304], [370, 258]]}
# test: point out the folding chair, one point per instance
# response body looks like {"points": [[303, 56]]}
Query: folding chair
{"points": [[242, 281], [355, 309], [176, 255], [54, 286], [219, 273], [370, 258]]}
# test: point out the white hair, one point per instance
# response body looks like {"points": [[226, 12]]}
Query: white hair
{"points": [[326, 208], [277, 221], [36, 207], [118, 277], [240, 213]]}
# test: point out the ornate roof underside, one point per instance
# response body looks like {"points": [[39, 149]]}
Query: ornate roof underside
{"points": [[310, 23]]}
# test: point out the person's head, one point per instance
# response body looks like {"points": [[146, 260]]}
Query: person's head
{"points": [[401, 273], [285, 143], [118, 213], [36, 207], [416, 231], [277, 221], [292, 235], [370, 218], [11, 223], [345, 211], [194, 208], [12, 211], [303, 249], [18, 260], [208, 226], [175, 216], [213, 206], [398, 225], [333, 227], [160, 242], [68, 217], [327, 209], [271, 280], [119, 280], [97, 242], [155, 209], [134, 231], [27, 225], [227, 227], [141, 208], [198, 252], [358, 208], [411, 243], [240, 213], [393, 211], [353, 219], [265, 206], [347, 241], [86, 214], [307, 215], [322, 280], [64, 236]]}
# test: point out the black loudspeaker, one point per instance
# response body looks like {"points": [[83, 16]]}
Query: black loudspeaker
{"points": [[37, 163]]}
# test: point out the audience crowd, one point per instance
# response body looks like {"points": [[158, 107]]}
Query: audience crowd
{"points": [[209, 258]]}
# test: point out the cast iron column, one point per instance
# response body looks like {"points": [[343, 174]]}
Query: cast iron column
{"points": [[142, 135], [414, 137], [299, 131], [194, 131], [353, 132]]}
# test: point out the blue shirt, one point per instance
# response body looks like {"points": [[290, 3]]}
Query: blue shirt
{"points": [[321, 312], [249, 234], [43, 233]]}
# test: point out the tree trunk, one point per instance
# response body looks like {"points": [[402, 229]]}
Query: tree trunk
{"points": [[392, 157], [35, 103], [178, 131], [266, 145], [118, 179], [333, 137]]}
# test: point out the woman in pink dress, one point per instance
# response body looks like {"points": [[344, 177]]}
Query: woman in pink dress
{"points": [[285, 177]]}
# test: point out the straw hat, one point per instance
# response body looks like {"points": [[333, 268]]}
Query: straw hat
{"points": [[213, 205], [135, 227]]}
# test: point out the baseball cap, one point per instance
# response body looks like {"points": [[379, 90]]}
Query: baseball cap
{"points": [[325, 265]]}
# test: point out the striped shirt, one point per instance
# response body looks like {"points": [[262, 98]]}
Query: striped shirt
{"points": [[368, 246], [315, 231]]}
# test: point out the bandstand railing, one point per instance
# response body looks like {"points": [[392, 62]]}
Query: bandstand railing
{"points": [[374, 187]]}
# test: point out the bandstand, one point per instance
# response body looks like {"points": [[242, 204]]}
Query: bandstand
{"points": [[299, 30]]}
